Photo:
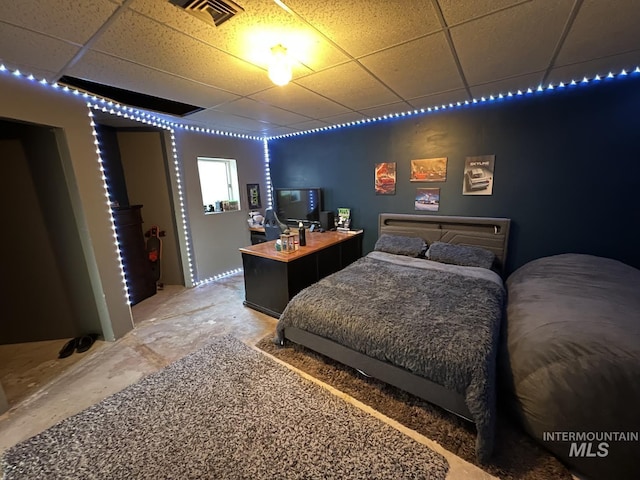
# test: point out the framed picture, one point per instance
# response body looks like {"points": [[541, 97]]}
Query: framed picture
{"points": [[385, 178], [429, 170], [427, 199], [253, 195], [478, 175]]}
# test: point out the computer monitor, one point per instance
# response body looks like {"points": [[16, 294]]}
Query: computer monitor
{"points": [[295, 205]]}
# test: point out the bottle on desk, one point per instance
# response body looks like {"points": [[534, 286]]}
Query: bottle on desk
{"points": [[302, 235]]}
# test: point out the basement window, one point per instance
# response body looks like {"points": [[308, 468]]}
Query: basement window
{"points": [[219, 184]]}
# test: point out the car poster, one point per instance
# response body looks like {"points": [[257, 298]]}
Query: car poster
{"points": [[385, 178], [429, 170], [478, 175]]}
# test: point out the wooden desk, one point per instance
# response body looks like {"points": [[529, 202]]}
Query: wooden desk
{"points": [[272, 278], [257, 234]]}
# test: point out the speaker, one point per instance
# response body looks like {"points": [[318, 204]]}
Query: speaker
{"points": [[326, 220]]}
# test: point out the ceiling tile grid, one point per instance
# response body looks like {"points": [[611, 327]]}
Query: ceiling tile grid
{"points": [[439, 99], [600, 30], [457, 11], [362, 27], [511, 42], [432, 70], [295, 97], [249, 108], [349, 85], [351, 59], [27, 53], [52, 17]]}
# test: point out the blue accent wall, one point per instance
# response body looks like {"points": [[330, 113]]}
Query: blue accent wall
{"points": [[567, 168]]}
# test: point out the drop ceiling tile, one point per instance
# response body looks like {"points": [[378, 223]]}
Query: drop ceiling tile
{"points": [[281, 131], [247, 107], [68, 20], [601, 30], [251, 34], [414, 69], [389, 110], [361, 26], [31, 51], [310, 125], [522, 82], [293, 97], [349, 85], [141, 40], [345, 118], [437, 100], [228, 122], [601, 66], [512, 42], [112, 71], [455, 11]]}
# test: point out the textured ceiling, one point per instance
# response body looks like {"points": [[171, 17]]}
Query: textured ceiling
{"points": [[353, 59]]}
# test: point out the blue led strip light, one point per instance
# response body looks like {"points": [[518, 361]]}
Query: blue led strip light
{"points": [[451, 106]]}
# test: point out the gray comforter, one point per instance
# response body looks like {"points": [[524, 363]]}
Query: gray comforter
{"points": [[571, 359], [438, 321]]}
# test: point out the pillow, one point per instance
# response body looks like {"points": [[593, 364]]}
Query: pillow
{"points": [[461, 255], [401, 245]]}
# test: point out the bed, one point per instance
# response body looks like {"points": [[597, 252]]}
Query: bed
{"points": [[429, 326], [570, 358]]}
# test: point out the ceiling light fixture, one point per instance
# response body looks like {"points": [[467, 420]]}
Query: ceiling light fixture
{"points": [[279, 66]]}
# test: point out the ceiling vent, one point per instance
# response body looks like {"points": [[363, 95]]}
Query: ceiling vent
{"points": [[216, 11]]}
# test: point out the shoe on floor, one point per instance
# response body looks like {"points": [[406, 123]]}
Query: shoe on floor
{"points": [[85, 342], [68, 348]]}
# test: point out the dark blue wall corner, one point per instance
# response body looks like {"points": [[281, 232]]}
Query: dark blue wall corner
{"points": [[567, 168]]}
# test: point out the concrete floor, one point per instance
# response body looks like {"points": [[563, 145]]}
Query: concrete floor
{"points": [[43, 390]]}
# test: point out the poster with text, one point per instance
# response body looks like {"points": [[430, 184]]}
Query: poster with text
{"points": [[427, 199], [385, 178], [478, 175]]}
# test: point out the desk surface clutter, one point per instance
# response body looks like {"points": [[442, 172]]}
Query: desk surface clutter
{"points": [[315, 241]]}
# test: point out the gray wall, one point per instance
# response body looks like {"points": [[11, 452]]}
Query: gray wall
{"points": [[30, 102], [34, 299], [147, 180], [48, 293], [217, 237]]}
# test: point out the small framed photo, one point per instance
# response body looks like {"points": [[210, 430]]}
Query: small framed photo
{"points": [[427, 199], [429, 170], [253, 196]]}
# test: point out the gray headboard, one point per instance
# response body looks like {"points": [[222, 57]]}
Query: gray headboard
{"points": [[486, 232]]}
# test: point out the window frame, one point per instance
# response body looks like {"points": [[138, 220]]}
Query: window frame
{"points": [[232, 186]]}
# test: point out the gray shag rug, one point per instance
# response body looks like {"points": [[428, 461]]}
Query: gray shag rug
{"points": [[516, 456], [226, 411]]}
